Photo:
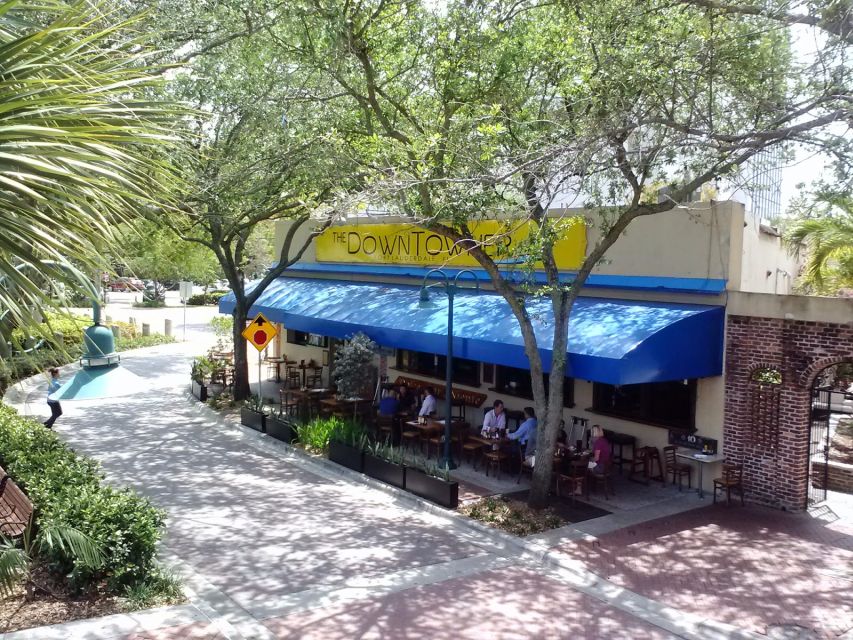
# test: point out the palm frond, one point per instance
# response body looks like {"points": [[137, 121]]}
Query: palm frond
{"points": [[14, 566], [72, 541], [83, 148]]}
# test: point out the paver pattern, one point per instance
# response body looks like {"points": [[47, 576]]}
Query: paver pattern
{"points": [[752, 567], [507, 604]]}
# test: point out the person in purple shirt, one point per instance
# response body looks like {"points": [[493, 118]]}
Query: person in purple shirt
{"points": [[601, 451]]}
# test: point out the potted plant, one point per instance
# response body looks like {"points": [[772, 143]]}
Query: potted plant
{"points": [[385, 463], [280, 427], [434, 484], [347, 444], [200, 372], [252, 414]]}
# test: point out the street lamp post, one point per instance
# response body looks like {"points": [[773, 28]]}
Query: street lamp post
{"points": [[450, 288]]}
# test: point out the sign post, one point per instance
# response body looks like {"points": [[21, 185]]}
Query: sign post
{"points": [[186, 290], [260, 333]]}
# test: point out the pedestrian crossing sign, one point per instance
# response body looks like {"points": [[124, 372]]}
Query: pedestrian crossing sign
{"points": [[260, 332]]}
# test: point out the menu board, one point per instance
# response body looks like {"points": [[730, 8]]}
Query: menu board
{"points": [[693, 441]]}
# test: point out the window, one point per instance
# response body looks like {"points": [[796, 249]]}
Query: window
{"points": [[465, 372], [512, 381], [307, 339], [668, 404]]}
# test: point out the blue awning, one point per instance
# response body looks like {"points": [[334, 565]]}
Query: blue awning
{"points": [[612, 341]]}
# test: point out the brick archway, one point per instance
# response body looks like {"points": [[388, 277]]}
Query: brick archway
{"points": [[777, 475]]}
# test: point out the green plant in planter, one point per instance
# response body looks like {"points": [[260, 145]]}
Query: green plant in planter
{"points": [[202, 368], [348, 432], [387, 452], [315, 434], [255, 403]]}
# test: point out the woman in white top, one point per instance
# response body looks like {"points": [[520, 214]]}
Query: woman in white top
{"points": [[428, 405], [495, 419]]}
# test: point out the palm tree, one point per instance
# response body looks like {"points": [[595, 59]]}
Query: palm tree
{"points": [[828, 243], [82, 146]]}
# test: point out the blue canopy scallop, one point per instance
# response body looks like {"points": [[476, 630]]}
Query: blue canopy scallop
{"points": [[610, 340]]}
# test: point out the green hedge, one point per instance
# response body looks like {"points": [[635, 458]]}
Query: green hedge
{"points": [[69, 489], [211, 297]]}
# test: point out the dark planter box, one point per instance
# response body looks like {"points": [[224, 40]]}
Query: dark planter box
{"points": [[281, 429], [387, 472], [253, 419], [199, 391], [433, 489], [346, 456]]}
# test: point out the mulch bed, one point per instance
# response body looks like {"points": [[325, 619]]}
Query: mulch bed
{"points": [[52, 605]]}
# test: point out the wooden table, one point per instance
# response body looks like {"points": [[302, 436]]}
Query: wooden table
{"points": [[304, 397], [338, 407], [703, 460], [436, 427], [277, 361]]}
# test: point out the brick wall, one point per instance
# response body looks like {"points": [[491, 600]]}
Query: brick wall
{"points": [[777, 476]]}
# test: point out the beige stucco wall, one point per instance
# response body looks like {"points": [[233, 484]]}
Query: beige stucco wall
{"points": [[806, 308], [767, 265]]}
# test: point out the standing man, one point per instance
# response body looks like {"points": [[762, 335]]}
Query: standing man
{"points": [[55, 408]]}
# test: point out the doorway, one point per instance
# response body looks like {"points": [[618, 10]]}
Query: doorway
{"points": [[830, 430]]}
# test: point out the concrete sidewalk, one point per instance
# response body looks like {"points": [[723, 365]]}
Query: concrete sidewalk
{"points": [[272, 545]]}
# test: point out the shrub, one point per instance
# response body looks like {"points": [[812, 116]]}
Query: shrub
{"points": [[126, 344], [23, 366], [68, 489], [211, 297]]}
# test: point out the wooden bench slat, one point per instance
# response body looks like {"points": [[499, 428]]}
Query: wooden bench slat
{"points": [[16, 509]]}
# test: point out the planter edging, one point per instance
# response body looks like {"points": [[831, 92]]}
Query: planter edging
{"points": [[253, 419]]}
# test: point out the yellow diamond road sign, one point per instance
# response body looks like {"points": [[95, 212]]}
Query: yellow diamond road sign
{"points": [[259, 332]]}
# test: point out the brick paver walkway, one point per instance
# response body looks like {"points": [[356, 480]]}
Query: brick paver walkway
{"points": [[751, 567]]}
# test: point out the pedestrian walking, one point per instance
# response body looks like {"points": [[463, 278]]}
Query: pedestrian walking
{"points": [[55, 407]]}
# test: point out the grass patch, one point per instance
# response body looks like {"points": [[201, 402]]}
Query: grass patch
{"points": [[512, 516], [159, 589]]}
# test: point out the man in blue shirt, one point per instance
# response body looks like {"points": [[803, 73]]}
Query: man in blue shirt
{"points": [[55, 408], [526, 432]]}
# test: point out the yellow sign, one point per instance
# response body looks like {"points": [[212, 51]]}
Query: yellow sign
{"points": [[259, 332], [408, 244]]}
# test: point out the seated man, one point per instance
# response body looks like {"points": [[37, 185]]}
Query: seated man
{"points": [[525, 435], [406, 398], [389, 405], [428, 406], [495, 419]]}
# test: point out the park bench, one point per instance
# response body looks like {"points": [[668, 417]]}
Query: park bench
{"points": [[16, 510]]}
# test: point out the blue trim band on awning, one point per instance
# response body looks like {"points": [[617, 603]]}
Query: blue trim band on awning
{"points": [[612, 341], [701, 286]]}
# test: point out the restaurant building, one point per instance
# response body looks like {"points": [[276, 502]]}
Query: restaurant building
{"points": [[664, 343]]}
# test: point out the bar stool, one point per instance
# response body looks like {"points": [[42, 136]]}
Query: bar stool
{"points": [[644, 464]]}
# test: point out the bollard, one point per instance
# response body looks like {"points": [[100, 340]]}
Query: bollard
{"points": [[131, 321], [167, 329], [146, 329], [116, 332], [109, 319]]}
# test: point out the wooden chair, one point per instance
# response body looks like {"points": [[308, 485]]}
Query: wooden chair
{"points": [[732, 478], [523, 465], [605, 478], [384, 428], [294, 378], [472, 450], [644, 463], [675, 468], [411, 437], [289, 404], [315, 378], [494, 459], [574, 473]]}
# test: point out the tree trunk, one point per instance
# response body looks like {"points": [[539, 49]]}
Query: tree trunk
{"points": [[241, 359]]}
